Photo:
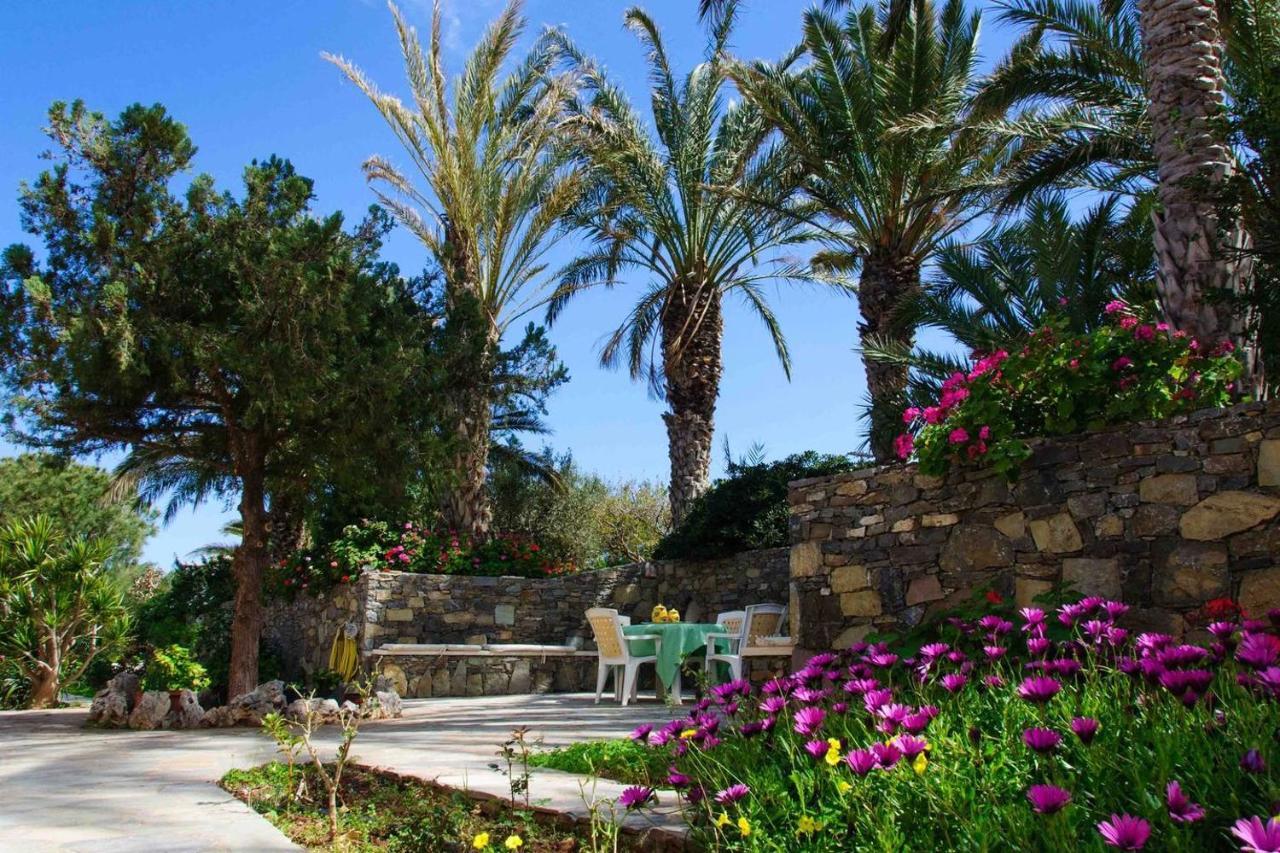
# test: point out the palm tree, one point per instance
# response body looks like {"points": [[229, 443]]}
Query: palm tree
{"points": [[492, 191], [892, 155], [700, 212], [993, 293]]}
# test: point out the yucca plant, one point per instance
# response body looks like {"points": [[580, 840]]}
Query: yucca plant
{"points": [[892, 154], [59, 608], [695, 215], [487, 191]]}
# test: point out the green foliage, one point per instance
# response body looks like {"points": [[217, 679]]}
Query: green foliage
{"points": [[1055, 386], [60, 608], [80, 501], [173, 668], [624, 761], [747, 509], [578, 518]]}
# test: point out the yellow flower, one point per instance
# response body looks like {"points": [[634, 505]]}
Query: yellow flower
{"points": [[744, 826], [833, 756], [481, 841], [688, 733], [920, 764], [808, 826], [513, 842], [843, 787], [723, 820]]}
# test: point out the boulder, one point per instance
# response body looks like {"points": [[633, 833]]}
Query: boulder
{"points": [[388, 706], [188, 715], [151, 711], [1225, 513], [248, 708], [112, 704]]}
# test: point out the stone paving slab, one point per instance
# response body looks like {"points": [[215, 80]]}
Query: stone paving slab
{"points": [[65, 788]]}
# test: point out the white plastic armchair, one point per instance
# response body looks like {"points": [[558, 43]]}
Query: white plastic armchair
{"points": [[758, 620], [615, 655]]}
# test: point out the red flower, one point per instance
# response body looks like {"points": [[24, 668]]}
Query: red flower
{"points": [[994, 597]]}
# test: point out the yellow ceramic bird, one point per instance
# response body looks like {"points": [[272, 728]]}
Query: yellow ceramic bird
{"points": [[673, 615], [659, 613]]}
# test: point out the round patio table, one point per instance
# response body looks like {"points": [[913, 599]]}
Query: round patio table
{"points": [[679, 640]]}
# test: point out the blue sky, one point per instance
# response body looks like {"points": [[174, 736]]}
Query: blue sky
{"points": [[248, 81]]}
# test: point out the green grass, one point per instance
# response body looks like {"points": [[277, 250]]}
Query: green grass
{"points": [[378, 812], [620, 760]]}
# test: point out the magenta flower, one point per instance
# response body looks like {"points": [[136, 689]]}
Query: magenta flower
{"points": [[887, 754], [817, 748], [1125, 831], [904, 445], [862, 761], [773, 704], [1039, 688], [1114, 306], [809, 720], [954, 682], [1257, 835], [958, 436], [732, 794], [910, 745], [635, 797], [1041, 740], [1181, 809], [993, 681], [1085, 728], [1048, 799], [1120, 364], [1258, 650], [1252, 762], [640, 734], [676, 779]]}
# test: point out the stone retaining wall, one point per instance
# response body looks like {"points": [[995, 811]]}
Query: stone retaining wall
{"points": [[399, 607], [1164, 515]]}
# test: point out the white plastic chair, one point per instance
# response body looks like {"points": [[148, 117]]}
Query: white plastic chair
{"points": [[615, 653], [758, 620]]}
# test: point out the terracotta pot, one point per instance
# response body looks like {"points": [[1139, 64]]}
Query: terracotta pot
{"points": [[175, 701]]}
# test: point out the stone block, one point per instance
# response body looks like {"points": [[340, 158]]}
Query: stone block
{"points": [[1260, 591], [852, 489], [1025, 590], [1087, 505], [1155, 520], [1190, 573], [851, 635], [850, 579], [1013, 525], [399, 614], [806, 559], [904, 525], [1177, 489], [1056, 534], [504, 615], [1108, 527], [1269, 462], [972, 547], [940, 519], [1225, 513], [923, 589], [862, 603], [1091, 576]]}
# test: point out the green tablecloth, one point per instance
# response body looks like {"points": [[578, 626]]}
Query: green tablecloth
{"points": [[679, 640]]}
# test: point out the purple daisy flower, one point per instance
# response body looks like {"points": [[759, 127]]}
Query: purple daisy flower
{"points": [[1181, 809], [1257, 835], [1041, 740], [954, 682], [911, 745], [732, 794], [809, 720], [993, 681], [676, 779], [773, 704], [1037, 646], [1085, 728], [752, 729], [1252, 762], [1048, 799], [1039, 688], [916, 723], [1258, 650], [1221, 630], [862, 761], [823, 659], [817, 748], [934, 650], [1031, 616], [640, 734], [635, 797], [887, 754], [1125, 832]]}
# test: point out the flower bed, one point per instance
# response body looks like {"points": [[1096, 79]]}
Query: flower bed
{"points": [[1035, 731], [1060, 382], [375, 545]]}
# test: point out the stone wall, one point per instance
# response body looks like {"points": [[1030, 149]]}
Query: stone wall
{"points": [[1164, 515], [399, 607]]}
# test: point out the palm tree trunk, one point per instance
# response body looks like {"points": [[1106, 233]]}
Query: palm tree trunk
{"points": [[1186, 90], [887, 279], [692, 327], [249, 564], [466, 503]]}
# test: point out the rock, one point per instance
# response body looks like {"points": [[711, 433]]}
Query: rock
{"points": [[1056, 534], [1155, 520], [940, 519], [852, 635], [1224, 513], [1260, 591], [112, 704], [850, 578], [1013, 525], [151, 710], [248, 708], [392, 678], [389, 706], [974, 548], [1025, 590], [1089, 576], [1109, 527], [806, 559], [864, 603], [1178, 489], [189, 714], [923, 589], [1190, 573], [1269, 462]]}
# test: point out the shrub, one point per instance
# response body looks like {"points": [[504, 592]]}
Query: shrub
{"points": [[747, 509], [173, 668], [1062, 382], [995, 736]]}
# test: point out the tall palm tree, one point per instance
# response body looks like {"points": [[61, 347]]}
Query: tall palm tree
{"points": [[700, 213], [994, 292], [491, 189], [891, 154]]}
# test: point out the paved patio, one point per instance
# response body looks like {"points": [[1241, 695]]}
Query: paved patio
{"points": [[65, 788]]}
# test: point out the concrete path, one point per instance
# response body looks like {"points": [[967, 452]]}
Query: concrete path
{"points": [[65, 788]]}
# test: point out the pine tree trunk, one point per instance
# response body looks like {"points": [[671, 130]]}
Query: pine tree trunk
{"points": [[692, 327], [885, 282], [1186, 91], [248, 565]]}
